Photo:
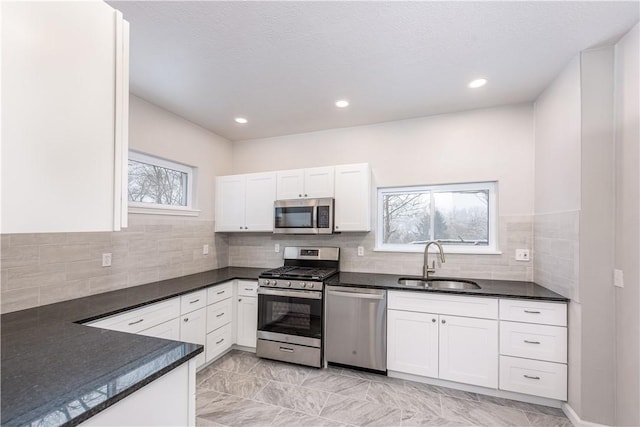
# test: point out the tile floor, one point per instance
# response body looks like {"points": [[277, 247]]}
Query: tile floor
{"points": [[242, 390]]}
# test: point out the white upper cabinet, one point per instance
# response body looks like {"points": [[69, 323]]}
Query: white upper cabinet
{"points": [[305, 183], [65, 113], [245, 202], [353, 197]]}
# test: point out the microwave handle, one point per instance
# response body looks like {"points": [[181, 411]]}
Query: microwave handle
{"points": [[315, 216]]}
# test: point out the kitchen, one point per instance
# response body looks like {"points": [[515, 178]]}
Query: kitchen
{"points": [[539, 148]]}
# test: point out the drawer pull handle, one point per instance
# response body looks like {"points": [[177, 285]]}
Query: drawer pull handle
{"points": [[137, 321], [220, 315], [249, 289], [194, 301], [218, 342], [532, 342], [530, 377], [532, 312], [221, 292], [286, 349]]}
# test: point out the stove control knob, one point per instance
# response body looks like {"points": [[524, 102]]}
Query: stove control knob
{"points": [[275, 282], [289, 284], [304, 285], [311, 285], [266, 282]]}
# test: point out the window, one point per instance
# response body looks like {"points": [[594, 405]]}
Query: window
{"points": [[161, 185], [463, 217]]}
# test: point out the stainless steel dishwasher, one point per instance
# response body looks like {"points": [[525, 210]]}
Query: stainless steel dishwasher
{"points": [[356, 327]]}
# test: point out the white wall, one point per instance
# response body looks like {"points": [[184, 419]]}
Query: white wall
{"points": [[627, 228], [153, 130], [487, 144]]}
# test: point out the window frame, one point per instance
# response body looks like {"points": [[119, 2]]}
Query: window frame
{"points": [[491, 249], [159, 209]]}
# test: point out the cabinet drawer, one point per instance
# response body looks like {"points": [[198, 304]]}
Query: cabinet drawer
{"points": [[169, 330], [455, 305], [193, 301], [248, 288], [547, 313], [545, 379], [142, 318], [219, 314], [532, 341], [218, 341], [219, 292]]}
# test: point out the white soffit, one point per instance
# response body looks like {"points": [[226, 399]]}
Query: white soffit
{"points": [[282, 65]]}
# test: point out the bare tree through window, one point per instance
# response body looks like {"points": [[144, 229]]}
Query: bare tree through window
{"points": [[156, 184]]}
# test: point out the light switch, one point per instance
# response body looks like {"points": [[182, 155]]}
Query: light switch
{"points": [[522, 254], [618, 278]]}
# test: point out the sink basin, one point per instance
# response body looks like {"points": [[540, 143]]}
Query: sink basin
{"points": [[437, 283]]}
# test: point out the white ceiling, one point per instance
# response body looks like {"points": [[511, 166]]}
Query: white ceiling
{"points": [[282, 65]]}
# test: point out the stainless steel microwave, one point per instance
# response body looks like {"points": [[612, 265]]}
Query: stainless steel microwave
{"points": [[303, 216]]}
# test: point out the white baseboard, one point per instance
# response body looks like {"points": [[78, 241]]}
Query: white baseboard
{"points": [[575, 419]]}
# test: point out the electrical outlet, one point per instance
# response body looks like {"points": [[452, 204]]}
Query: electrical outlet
{"points": [[205, 249], [276, 248], [360, 251], [522, 255], [618, 278], [106, 259]]}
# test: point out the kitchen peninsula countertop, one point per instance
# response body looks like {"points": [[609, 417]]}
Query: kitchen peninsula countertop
{"points": [[488, 287], [56, 371]]}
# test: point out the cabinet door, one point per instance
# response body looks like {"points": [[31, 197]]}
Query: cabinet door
{"points": [[64, 131], [290, 184], [353, 198], [412, 343], [193, 329], [247, 321], [230, 203], [469, 350], [260, 195], [318, 182]]}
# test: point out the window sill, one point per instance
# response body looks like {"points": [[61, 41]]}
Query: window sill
{"points": [[163, 211], [462, 251]]}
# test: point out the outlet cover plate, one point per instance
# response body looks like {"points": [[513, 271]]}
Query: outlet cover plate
{"points": [[106, 259], [522, 255]]}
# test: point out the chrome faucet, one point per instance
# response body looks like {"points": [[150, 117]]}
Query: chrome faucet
{"points": [[426, 269]]}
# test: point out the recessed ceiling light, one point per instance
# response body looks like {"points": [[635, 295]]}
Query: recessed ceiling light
{"points": [[241, 120], [477, 83], [342, 103]]}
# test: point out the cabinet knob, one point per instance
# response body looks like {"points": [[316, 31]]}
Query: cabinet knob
{"points": [[337, 227], [433, 320], [305, 195], [239, 299], [240, 227], [299, 195], [186, 319], [444, 321], [246, 228]]}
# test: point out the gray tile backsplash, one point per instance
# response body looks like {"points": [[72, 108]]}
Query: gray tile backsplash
{"points": [[556, 261], [40, 269], [257, 250]]}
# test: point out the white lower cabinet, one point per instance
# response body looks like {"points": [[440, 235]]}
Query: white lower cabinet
{"points": [[168, 330], [412, 342], [193, 329], [219, 341], [469, 350], [453, 348], [545, 379], [247, 321]]}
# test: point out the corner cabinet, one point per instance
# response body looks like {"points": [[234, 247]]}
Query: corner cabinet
{"points": [[65, 99], [244, 203], [352, 198]]}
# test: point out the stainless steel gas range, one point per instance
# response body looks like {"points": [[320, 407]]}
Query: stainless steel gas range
{"points": [[291, 305]]}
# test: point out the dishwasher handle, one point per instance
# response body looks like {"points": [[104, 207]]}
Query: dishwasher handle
{"points": [[356, 295]]}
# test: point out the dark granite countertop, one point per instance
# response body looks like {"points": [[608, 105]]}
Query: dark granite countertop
{"points": [[56, 371], [492, 288]]}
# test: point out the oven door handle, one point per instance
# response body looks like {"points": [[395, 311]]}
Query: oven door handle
{"points": [[288, 293]]}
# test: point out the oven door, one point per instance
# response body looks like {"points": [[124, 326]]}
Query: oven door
{"points": [[291, 316]]}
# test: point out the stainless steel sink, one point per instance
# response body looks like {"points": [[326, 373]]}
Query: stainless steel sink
{"points": [[436, 283]]}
